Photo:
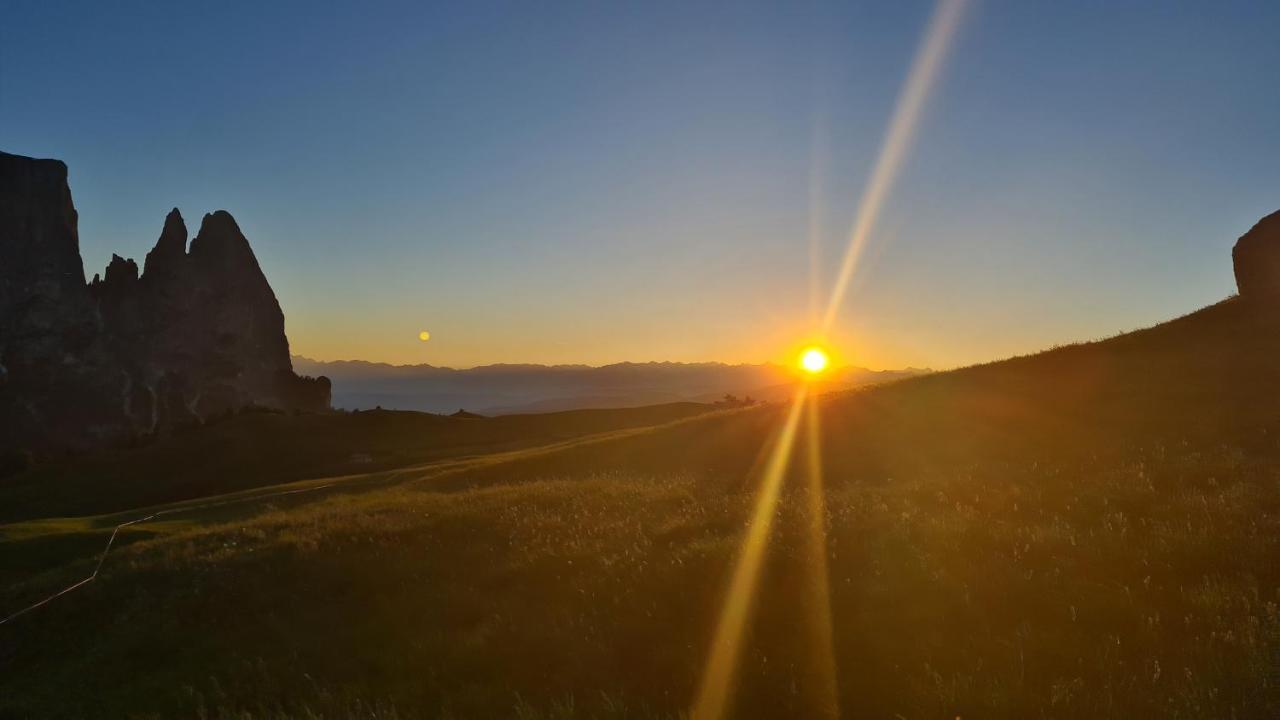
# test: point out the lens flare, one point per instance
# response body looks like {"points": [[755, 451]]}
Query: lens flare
{"points": [[826, 700], [924, 70], [717, 678]]}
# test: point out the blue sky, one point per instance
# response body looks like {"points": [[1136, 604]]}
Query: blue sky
{"points": [[588, 182]]}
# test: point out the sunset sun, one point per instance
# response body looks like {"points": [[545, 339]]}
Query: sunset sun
{"points": [[814, 360]]}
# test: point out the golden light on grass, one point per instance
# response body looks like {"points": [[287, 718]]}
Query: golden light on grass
{"points": [[821, 633], [717, 678], [814, 360], [424, 336]]}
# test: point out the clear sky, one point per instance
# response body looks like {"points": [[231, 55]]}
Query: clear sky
{"points": [[587, 182]]}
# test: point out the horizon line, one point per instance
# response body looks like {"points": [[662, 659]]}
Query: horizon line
{"points": [[587, 366]]}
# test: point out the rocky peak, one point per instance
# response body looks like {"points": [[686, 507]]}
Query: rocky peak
{"points": [[220, 244], [117, 283], [170, 249], [1256, 258], [42, 289], [121, 271]]}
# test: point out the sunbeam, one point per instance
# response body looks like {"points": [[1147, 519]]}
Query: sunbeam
{"points": [[920, 80], [721, 667], [821, 635], [717, 678], [818, 152]]}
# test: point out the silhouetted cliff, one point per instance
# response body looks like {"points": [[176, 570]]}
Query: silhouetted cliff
{"points": [[195, 334]]}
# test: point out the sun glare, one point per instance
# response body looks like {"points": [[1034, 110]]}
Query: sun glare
{"points": [[814, 360], [715, 692]]}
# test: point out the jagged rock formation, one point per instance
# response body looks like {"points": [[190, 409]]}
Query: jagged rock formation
{"points": [[1256, 257], [195, 334], [200, 332]]}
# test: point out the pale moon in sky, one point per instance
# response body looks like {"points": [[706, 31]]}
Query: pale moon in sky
{"points": [[424, 336]]}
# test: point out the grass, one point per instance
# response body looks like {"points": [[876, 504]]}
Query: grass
{"points": [[1091, 532], [256, 449]]}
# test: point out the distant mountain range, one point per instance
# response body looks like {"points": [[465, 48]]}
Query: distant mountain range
{"points": [[509, 389]]}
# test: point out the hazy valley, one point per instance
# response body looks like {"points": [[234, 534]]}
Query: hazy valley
{"points": [[507, 389]]}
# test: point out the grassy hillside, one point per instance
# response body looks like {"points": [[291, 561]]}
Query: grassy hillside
{"points": [[261, 448], [1088, 532]]}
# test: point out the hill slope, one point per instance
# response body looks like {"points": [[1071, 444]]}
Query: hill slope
{"points": [[256, 449], [1092, 531]]}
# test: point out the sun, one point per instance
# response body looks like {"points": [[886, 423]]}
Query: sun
{"points": [[424, 336], [814, 360]]}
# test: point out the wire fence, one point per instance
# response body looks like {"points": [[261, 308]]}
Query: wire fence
{"points": [[440, 467], [138, 521]]}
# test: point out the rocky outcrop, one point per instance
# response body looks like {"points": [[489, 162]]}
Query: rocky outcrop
{"points": [[55, 382], [1256, 257], [194, 335], [202, 331], [44, 308]]}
